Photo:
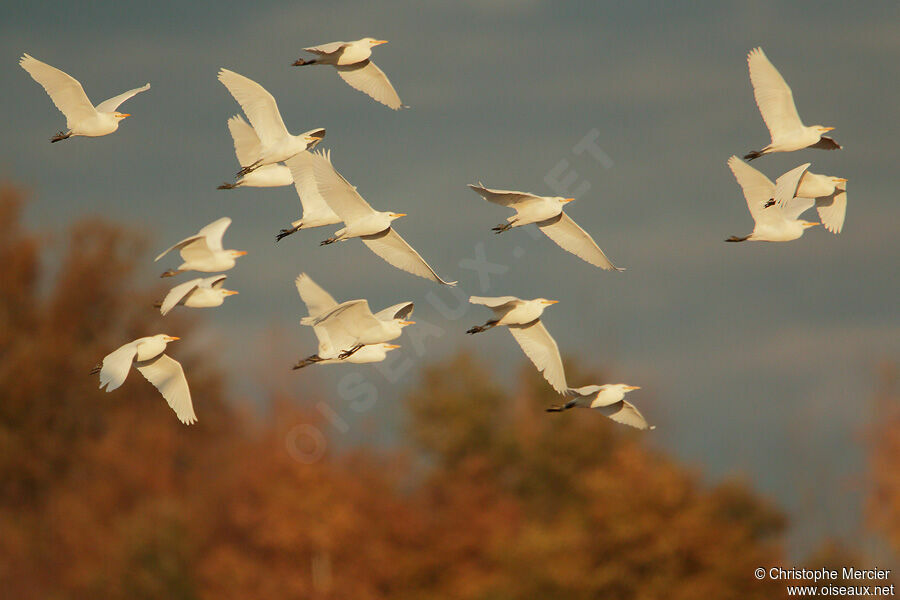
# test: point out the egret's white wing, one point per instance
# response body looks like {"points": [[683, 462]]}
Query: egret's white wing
{"points": [[258, 104], [773, 96], [113, 103], [758, 189], [587, 390], [214, 232], [317, 300], [329, 48], [832, 210], [494, 302], [625, 413], [246, 142], [540, 347], [794, 207], [177, 294], [115, 366], [314, 205], [503, 197], [167, 376], [354, 314], [786, 185], [392, 248], [65, 91], [572, 238], [366, 77], [338, 193], [401, 310], [181, 244]]}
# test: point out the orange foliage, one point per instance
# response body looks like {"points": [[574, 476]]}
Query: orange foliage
{"points": [[108, 496]]}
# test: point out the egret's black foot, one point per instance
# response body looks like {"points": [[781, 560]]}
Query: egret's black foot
{"points": [[62, 135], [350, 352], [501, 228], [769, 203], [556, 408], [328, 241], [735, 238], [753, 155], [247, 170], [301, 61], [157, 305], [227, 186], [171, 273], [309, 360], [286, 232], [96, 368]]}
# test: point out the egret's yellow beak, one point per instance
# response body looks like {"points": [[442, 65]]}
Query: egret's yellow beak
{"points": [[844, 179], [391, 346], [172, 338], [550, 301], [827, 128], [810, 224], [231, 293], [632, 387], [241, 252], [570, 200], [123, 115], [407, 322], [399, 214], [379, 42]]}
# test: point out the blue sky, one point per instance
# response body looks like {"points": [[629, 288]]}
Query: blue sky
{"points": [[755, 360]]}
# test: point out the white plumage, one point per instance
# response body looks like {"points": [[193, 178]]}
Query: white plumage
{"points": [[351, 59], [609, 400], [772, 223], [830, 194], [316, 212], [522, 318], [349, 332], [165, 373], [776, 105], [247, 148], [82, 118], [362, 221], [547, 213], [276, 144], [203, 251], [203, 292]]}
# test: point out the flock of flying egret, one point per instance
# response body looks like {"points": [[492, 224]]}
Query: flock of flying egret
{"points": [[349, 332]]}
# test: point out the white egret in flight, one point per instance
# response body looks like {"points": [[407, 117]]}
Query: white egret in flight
{"points": [[351, 59], [82, 117], [203, 251], [147, 356], [547, 213], [523, 320], [776, 104], [609, 400]]}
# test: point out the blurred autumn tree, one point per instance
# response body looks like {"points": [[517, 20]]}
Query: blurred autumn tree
{"points": [[108, 496], [884, 459]]}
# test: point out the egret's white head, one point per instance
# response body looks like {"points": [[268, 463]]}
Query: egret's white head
{"points": [[821, 129], [394, 215], [619, 388], [373, 42], [119, 115], [236, 253]]}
